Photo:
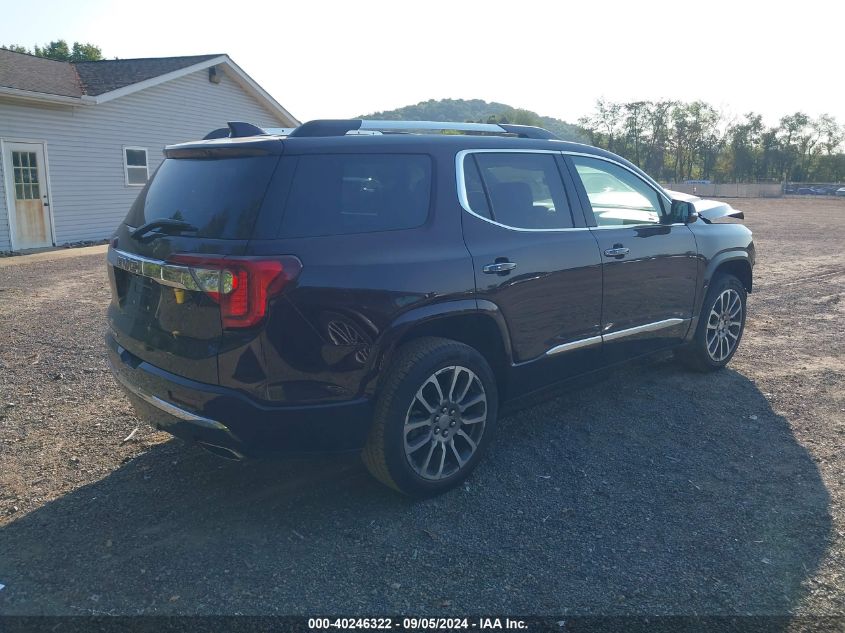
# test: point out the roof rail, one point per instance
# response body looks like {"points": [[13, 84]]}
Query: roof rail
{"points": [[279, 131], [529, 131], [340, 127]]}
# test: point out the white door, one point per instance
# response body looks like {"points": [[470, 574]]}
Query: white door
{"points": [[26, 186]]}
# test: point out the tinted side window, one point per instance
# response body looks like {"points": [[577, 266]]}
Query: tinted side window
{"points": [[221, 197], [617, 196], [525, 190], [335, 194], [476, 196]]}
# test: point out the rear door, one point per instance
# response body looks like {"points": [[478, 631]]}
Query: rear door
{"points": [[649, 263], [172, 328], [534, 259]]}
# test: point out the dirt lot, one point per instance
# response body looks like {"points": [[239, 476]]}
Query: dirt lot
{"points": [[654, 491]]}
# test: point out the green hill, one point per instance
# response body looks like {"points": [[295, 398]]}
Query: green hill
{"points": [[479, 111]]}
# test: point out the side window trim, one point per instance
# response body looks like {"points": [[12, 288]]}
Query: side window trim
{"points": [[462, 191], [664, 199], [572, 180]]}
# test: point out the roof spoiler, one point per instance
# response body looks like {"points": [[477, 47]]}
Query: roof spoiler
{"points": [[236, 129]]}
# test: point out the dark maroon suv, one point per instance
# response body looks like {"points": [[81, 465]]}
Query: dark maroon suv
{"points": [[380, 286]]}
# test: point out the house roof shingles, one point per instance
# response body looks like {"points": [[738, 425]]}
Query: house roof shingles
{"points": [[37, 74], [75, 79], [108, 75]]}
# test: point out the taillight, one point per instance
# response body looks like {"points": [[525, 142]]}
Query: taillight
{"points": [[242, 286]]}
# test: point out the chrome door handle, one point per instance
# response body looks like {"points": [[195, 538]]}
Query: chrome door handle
{"points": [[499, 267], [616, 252]]}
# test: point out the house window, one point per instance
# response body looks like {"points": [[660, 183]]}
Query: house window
{"points": [[135, 166]]}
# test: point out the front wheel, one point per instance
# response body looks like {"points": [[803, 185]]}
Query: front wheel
{"points": [[434, 416], [720, 326]]}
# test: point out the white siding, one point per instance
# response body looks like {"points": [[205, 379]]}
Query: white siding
{"points": [[85, 144], [4, 217]]}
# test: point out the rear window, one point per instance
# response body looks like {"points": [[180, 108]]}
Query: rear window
{"points": [[336, 194], [221, 197]]}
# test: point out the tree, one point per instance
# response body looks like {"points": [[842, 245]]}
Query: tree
{"points": [[657, 141], [790, 130], [608, 115], [831, 166], [478, 111], [680, 139], [603, 126], [85, 52], [521, 116], [60, 51], [673, 140], [832, 135], [635, 117], [743, 141], [767, 166], [57, 50]]}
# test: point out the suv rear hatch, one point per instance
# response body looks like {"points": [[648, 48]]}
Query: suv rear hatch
{"points": [[179, 280]]}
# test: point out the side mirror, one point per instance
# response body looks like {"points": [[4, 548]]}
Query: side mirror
{"points": [[683, 211]]}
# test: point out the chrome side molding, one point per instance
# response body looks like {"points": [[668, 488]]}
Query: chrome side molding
{"points": [[573, 345], [612, 336], [648, 327]]}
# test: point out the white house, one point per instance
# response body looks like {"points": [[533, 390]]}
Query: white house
{"points": [[79, 140]]}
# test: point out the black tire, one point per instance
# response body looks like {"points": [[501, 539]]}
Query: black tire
{"points": [[696, 355], [415, 364]]}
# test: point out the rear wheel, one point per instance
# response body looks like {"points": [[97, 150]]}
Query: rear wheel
{"points": [[720, 326], [434, 416]]}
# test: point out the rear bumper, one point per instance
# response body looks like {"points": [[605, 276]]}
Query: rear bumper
{"points": [[225, 418]]}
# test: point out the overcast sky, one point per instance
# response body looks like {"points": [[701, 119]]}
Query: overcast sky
{"points": [[327, 59]]}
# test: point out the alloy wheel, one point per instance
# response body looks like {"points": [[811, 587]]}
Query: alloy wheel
{"points": [[445, 422], [724, 325]]}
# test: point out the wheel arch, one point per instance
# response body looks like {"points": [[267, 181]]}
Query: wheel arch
{"points": [[737, 262], [477, 324], [739, 266]]}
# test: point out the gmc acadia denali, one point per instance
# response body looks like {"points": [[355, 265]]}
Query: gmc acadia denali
{"points": [[382, 286]]}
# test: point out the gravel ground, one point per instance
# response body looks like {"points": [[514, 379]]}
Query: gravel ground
{"points": [[653, 491]]}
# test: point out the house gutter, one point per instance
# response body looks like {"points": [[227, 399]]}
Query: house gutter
{"points": [[29, 95]]}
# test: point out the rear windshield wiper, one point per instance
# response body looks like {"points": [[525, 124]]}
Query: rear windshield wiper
{"points": [[164, 225]]}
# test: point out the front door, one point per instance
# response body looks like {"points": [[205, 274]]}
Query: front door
{"points": [[26, 184], [649, 262], [535, 260]]}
